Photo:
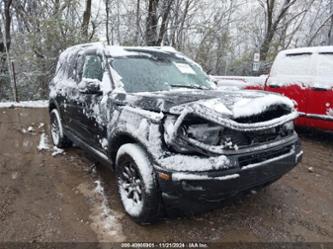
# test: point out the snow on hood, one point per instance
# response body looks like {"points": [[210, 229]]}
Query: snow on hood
{"points": [[216, 105], [249, 107], [241, 104], [232, 104]]}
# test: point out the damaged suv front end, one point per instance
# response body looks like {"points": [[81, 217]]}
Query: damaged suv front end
{"points": [[205, 144], [215, 145], [224, 146]]}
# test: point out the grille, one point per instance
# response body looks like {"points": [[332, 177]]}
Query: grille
{"points": [[211, 134], [246, 139], [261, 157]]}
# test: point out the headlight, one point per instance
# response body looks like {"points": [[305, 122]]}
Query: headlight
{"points": [[196, 128], [289, 126], [205, 133], [287, 129]]}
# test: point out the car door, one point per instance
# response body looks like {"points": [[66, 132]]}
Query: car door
{"points": [[67, 91], [291, 76], [92, 112], [74, 103], [321, 93]]}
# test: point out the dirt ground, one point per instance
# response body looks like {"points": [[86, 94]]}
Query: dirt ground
{"points": [[67, 198]]}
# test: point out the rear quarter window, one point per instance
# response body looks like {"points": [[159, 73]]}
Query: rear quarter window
{"points": [[325, 65], [292, 65]]}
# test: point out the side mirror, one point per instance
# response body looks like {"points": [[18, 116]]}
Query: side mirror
{"points": [[214, 80], [90, 86], [209, 71]]}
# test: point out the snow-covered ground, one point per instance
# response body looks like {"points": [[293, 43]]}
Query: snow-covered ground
{"points": [[43, 142], [26, 104], [105, 221], [44, 146]]}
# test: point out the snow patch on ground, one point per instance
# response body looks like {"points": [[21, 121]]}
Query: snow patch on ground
{"points": [[14, 175], [43, 142], [30, 129], [104, 221], [57, 151], [44, 146], [26, 104]]}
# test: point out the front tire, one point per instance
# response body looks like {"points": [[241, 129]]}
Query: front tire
{"points": [[57, 131], [137, 184]]}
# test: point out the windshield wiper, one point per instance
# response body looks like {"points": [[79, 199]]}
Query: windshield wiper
{"points": [[190, 86]]}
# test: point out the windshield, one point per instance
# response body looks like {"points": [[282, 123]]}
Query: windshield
{"points": [[162, 73]]}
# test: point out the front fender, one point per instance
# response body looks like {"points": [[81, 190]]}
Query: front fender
{"points": [[136, 126]]}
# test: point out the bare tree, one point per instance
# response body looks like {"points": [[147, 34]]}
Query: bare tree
{"points": [[165, 15], [107, 21], [151, 23], [322, 25], [138, 18], [5, 42], [272, 23], [330, 28], [86, 19]]}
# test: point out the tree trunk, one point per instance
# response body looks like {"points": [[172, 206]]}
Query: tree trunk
{"points": [[182, 24], [151, 24], [272, 25], [5, 42], [137, 31], [118, 22], [86, 20], [330, 31], [107, 9], [165, 16], [5, 29]]}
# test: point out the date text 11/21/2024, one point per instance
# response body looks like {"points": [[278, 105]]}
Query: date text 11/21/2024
{"points": [[164, 245]]}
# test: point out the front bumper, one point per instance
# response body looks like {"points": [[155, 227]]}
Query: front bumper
{"points": [[196, 191]]}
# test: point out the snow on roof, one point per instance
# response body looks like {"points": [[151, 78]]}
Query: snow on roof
{"points": [[165, 49], [320, 49], [117, 51]]}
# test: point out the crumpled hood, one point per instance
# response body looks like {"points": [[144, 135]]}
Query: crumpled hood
{"points": [[233, 104]]}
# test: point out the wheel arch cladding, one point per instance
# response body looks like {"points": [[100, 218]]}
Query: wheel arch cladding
{"points": [[120, 139]]}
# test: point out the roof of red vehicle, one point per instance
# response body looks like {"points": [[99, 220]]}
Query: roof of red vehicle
{"points": [[320, 49]]}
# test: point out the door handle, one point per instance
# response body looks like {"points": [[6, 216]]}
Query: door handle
{"points": [[319, 89], [274, 86]]}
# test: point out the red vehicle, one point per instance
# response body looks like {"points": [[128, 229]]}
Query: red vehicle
{"points": [[306, 76]]}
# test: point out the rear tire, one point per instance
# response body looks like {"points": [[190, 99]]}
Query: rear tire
{"points": [[137, 184], [57, 131]]}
